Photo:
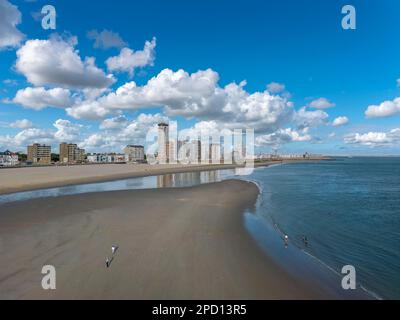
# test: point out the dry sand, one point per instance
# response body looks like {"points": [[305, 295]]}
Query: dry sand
{"points": [[187, 243]]}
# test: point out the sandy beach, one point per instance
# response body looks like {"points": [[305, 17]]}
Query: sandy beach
{"points": [[30, 178], [187, 243]]}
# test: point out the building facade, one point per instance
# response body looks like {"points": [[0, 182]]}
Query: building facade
{"points": [[215, 153], [80, 155], [39, 154], [8, 159], [172, 151], [70, 153], [196, 151], [134, 153], [163, 143], [64, 154]]}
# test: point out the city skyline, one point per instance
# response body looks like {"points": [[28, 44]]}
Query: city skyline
{"points": [[169, 149], [104, 82]]}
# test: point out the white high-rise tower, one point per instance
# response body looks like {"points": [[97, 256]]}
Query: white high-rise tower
{"points": [[163, 143]]}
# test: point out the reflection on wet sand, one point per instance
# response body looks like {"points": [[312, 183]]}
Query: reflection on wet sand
{"points": [[165, 181], [187, 178]]}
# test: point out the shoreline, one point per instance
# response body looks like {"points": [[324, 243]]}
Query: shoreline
{"points": [[189, 243], [22, 179]]}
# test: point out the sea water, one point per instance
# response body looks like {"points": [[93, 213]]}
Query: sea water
{"points": [[349, 210]]}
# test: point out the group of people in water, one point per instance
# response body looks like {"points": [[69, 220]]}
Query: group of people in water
{"points": [[304, 239]]}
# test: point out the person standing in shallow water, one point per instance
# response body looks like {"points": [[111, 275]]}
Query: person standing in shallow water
{"points": [[305, 241]]}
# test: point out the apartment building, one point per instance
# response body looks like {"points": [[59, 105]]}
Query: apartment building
{"points": [[70, 153], [39, 154], [215, 153], [163, 143]]}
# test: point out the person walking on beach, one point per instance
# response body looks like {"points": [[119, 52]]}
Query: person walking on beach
{"points": [[286, 240], [114, 250]]}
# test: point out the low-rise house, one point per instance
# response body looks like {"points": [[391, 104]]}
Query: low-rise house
{"points": [[106, 158], [8, 159]]}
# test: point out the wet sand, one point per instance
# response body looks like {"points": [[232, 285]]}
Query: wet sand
{"points": [[187, 243]]}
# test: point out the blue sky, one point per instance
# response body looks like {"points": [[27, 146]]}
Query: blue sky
{"points": [[298, 44]]}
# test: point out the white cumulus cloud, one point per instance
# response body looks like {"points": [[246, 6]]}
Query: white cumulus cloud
{"points": [[275, 87], [340, 121], [32, 135], [385, 109], [89, 110], [282, 136], [39, 98], [106, 39], [114, 123], [21, 124], [10, 17], [66, 130], [374, 139], [305, 118], [128, 60], [56, 62], [321, 103], [193, 95]]}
